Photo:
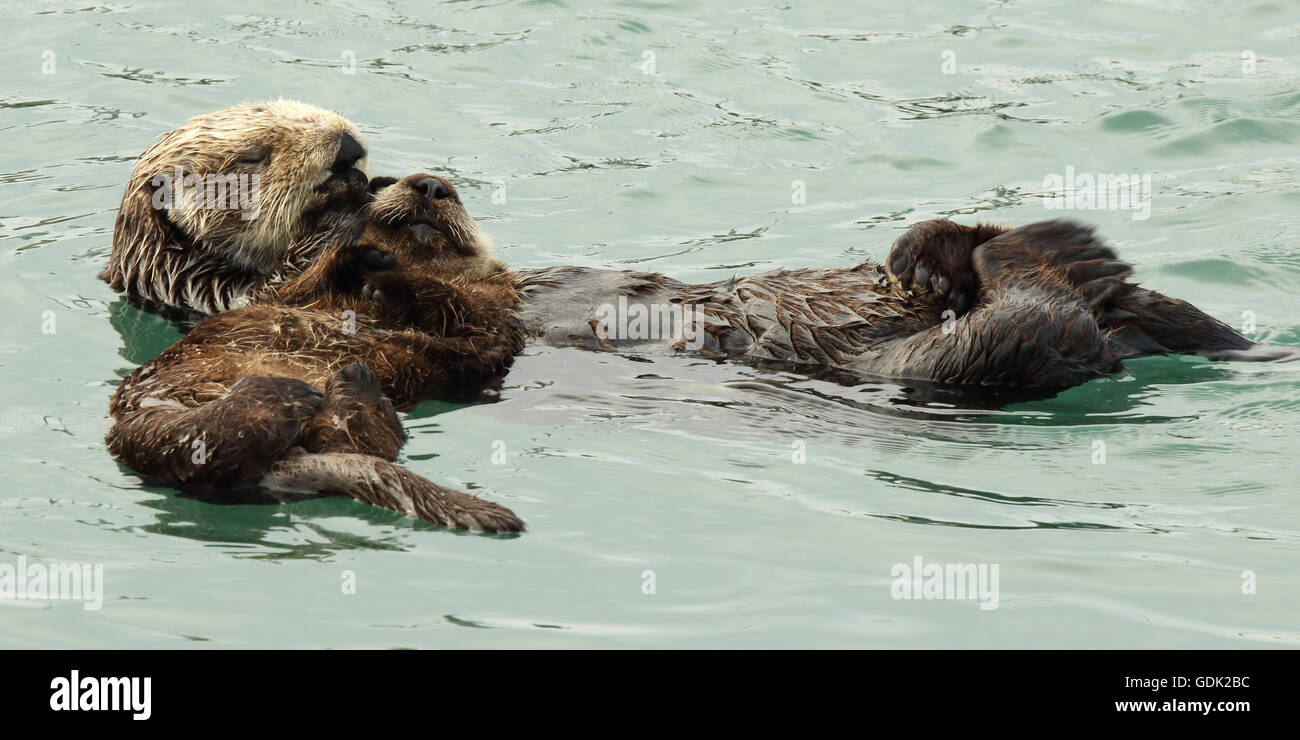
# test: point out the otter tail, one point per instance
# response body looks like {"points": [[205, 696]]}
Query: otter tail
{"points": [[381, 483]]}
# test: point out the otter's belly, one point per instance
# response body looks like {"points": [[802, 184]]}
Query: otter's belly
{"points": [[797, 317]]}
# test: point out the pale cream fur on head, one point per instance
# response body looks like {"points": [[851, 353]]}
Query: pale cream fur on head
{"points": [[291, 146]]}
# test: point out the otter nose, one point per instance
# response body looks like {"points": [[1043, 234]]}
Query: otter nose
{"points": [[434, 188], [350, 152]]}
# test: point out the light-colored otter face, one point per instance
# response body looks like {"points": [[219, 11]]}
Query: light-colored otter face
{"points": [[421, 221], [241, 179]]}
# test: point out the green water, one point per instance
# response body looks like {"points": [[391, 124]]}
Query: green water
{"points": [[686, 468]]}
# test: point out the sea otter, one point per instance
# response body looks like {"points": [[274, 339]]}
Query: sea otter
{"points": [[296, 395], [228, 206], [1045, 305]]}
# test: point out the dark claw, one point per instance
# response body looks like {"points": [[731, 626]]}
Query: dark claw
{"points": [[941, 284]]}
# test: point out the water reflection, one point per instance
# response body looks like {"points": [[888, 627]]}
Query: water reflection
{"points": [[144, 334]]}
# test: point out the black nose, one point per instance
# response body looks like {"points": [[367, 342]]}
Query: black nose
{"points": [[432, 187], [350, 152]]}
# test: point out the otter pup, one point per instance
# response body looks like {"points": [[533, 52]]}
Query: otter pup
{"points": [[1042, 306], [228, 206], [297, 396]]}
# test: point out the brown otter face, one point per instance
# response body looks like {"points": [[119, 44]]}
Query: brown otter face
{"points": [[241, 180], [421, 221]]}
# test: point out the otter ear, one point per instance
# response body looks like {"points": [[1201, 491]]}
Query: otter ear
{"points": [[379, 183]]}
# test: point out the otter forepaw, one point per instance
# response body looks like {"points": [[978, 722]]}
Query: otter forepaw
{"points": [[391, 288], [358, 416], [300, 400], [356, 265], [354, 379], [935, 256], [377, 261]]}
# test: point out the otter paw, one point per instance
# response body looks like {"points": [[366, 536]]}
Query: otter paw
{"points": [[377, 261], [935, 256], [301, 400], [381, 182], [388, 287], [354, 379], [356, 265], [266, 414], [360, 417]]}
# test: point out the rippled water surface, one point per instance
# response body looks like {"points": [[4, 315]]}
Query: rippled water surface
{"points": [[667, 136]]}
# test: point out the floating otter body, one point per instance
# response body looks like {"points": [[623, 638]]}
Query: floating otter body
{"points": [[297, 396], [223, 209], [1042, 306]]}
